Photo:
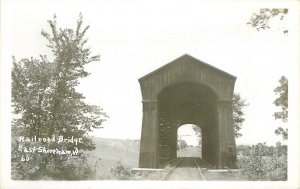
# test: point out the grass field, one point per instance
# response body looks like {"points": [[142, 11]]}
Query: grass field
{"points": [[109, 151]]}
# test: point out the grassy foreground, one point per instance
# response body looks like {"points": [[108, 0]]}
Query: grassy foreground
{"points": [[113, 159], [109, 151]]}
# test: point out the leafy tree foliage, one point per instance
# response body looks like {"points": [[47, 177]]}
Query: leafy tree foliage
{"points": [[198, 132], [261, 165], [282, 102], [238, 113], [181, 144], [238, 116], [261, 20], [46, 102], [245, 150]]}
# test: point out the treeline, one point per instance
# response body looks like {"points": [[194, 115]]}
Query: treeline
{"points": [[245, 150]]}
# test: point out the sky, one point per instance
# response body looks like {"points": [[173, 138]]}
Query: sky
{"points": [[187, 133], [134, 38]]}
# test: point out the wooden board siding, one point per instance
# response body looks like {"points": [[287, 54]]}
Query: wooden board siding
{"points": [[182, 71], [187, 69]]}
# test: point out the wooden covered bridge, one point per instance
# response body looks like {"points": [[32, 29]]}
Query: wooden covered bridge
{"points": [[187, 91]]}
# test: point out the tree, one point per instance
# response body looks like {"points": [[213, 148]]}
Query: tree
{"points": [[282, 102], [181, 144], [238, 113], [261, 20], [198, 134], [46, 102], [238, 116]]}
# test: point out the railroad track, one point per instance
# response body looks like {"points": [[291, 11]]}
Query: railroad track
{"points": [[185, 168]]}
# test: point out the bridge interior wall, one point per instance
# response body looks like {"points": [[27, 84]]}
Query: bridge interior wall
{"points": [[187, 103]]}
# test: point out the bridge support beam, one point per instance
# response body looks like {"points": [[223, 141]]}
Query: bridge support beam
{"points": [[149, 139], [227, 148]]}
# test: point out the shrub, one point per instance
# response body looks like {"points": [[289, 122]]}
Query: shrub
{"points": [[121, 171], [257, 166], [252, 165], [276, 165]]}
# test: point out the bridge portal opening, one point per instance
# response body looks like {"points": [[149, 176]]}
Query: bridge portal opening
{"points": [[189, 141], [187, 103]]}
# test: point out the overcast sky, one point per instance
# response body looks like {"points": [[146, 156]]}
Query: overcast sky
{"points": [[136, 37]]}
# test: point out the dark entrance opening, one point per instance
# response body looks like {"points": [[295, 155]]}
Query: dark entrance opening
{"points": [[187, 103]]}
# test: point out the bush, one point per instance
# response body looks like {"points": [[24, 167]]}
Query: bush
{"points": [[277, 164], [252, 165], [120, 171], [257, 166]]}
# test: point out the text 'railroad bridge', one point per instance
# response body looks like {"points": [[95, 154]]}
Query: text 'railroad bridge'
{"points": [[187, 91]]}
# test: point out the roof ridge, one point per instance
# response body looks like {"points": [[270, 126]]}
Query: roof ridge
{"points": [[180, 57]]}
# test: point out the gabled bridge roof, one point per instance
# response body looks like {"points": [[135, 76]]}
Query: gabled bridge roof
{"points": [[191, 60]]}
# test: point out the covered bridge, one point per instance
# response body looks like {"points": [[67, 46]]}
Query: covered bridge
{"points": [[187, 91]]}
